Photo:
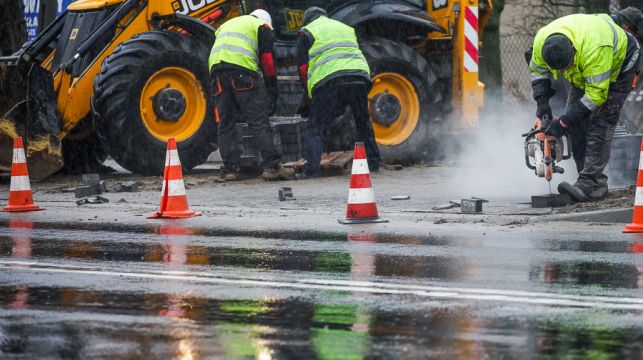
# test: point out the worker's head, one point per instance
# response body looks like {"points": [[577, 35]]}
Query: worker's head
{"points": [[262, 15], [630, 19], [313, 13], [558, 52]]}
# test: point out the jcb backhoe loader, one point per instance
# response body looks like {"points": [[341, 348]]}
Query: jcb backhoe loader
{"points": [[120, 77]]}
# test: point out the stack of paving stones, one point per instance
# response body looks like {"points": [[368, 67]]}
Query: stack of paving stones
{"points": [[624, 162], [289, 137], [249, 154]]}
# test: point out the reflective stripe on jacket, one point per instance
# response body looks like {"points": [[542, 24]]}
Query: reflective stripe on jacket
{"points": [[600, 47], [237, 42], [335, 49]]}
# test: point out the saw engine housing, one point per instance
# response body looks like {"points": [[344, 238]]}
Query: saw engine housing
{"points": [[542, 152]]}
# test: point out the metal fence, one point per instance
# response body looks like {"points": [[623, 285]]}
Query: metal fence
{"points": [[515, 72]]}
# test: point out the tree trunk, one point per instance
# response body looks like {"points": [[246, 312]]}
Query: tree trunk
{"points": [[490, 64], [13, 30]]}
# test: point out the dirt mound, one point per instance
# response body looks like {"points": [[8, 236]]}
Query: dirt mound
{"points": [[618, 198]]}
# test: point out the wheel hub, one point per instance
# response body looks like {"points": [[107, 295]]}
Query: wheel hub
{"points": [[385, 109], [169, 104]]}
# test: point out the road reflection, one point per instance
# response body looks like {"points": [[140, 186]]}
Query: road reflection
{"points": [[291, 327], [81, 323], [354, 258]]}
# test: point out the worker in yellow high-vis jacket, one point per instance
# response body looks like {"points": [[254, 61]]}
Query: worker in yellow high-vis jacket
{"points": [[336, 76], [244, 85], [600, 60]]}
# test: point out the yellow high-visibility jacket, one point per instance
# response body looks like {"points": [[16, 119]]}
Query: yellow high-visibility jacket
{"points": [[600, 47]]}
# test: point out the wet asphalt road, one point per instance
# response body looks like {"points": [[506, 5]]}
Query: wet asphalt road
{"points": [[172, 293]]}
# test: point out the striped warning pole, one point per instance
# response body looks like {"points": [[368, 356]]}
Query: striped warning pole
{"points": [[20, 195], [361, 207], [174, 200], [637, 219], [471, 57]]}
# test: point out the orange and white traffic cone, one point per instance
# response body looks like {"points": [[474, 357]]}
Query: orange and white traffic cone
{"points": [[637, 218], [20, 195], [361, 207], [174, 201]]}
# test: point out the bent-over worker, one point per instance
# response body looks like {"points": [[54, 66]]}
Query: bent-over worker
{"points": [[244, 83], [336, 75], [600, 60]]}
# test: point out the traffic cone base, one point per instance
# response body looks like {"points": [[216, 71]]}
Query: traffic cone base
{"points": [[362, 221], [23, 208], [174, 214], [633, 228], [637, 216], [174, 200], [361, 208], [20, 195]]}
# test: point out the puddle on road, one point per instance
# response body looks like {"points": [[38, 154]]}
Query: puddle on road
{"points": [[89, 323], [342, 260]]}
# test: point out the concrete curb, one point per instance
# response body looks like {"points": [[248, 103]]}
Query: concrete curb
{"points": [[611, 216]]}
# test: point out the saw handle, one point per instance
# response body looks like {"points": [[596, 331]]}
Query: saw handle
{"points": [[532, 133], [537, 128], [532, 167]]}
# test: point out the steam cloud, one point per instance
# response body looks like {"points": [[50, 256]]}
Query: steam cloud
{"points": [[491, 161]]}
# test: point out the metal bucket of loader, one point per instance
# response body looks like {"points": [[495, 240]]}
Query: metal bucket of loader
{"points": [[28, 109]]}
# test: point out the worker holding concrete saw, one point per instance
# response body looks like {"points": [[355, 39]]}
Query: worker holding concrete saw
{"points": [[336, 75], [600, 60], [244, 83]]}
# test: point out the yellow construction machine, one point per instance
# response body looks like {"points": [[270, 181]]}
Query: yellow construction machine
{"points": [[120, 77]]}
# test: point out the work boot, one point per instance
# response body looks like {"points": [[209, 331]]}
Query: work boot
{"points": [[280, 173], [574, 191], [599, 193], [230, 175]]}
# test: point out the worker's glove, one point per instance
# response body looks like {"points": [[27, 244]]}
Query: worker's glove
{"points": [[556, 128], [304, 107], [543, 110], [542, 93], [274, 99], [545, 121]]}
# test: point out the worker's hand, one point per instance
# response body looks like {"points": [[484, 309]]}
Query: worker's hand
{"points": [[543, 109], [304, 107], [274, 99], [545, 121], [556, 128], [272, 109]]}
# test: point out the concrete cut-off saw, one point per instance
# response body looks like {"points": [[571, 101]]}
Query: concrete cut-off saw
{"points": [[543, 152]]}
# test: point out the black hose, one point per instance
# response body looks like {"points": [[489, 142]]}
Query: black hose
{"points": [[46, 37]]}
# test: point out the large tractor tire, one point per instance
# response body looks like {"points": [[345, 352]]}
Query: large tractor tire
{"points": [[154, 87], [402, 102]]}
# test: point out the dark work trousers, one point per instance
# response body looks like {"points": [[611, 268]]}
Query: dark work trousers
{"points": [[329, 101], [592, 139], [239, 96]]}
